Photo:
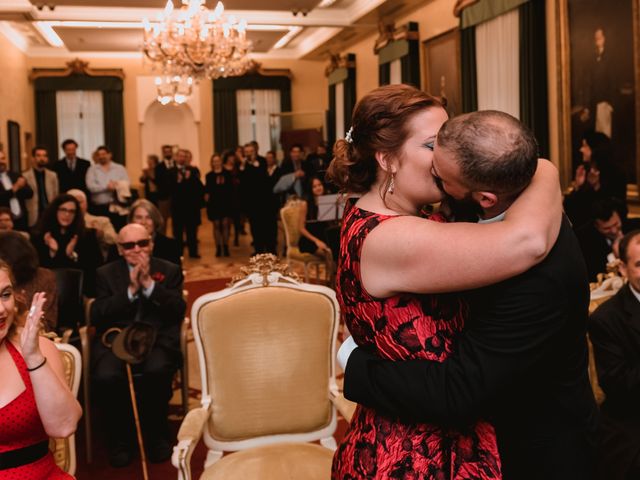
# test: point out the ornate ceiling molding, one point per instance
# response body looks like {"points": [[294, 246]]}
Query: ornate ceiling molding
{"points": [[388, 33], [339, 61], [76, 67]]}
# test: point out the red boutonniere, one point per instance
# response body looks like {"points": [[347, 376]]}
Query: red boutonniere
{"points": [[158, 276]]}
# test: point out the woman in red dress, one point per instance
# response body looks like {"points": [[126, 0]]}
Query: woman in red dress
{"points": [[35, 403], [396, 268]]}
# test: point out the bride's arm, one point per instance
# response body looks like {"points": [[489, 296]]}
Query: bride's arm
{"points": [[410, 254]]}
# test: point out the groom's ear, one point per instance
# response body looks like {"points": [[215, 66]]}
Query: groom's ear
{"points": [[485, 199], [385, 163]]}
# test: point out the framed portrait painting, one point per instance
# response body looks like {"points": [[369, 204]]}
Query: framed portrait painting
{"points": [[442, 69], [600, 43]]}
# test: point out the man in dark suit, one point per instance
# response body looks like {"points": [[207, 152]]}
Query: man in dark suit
{"points": [[186, 202], [163, 183], [71, 169], [137, 288], [521, 361], [599, 238], [614, 329], [14, 190]]}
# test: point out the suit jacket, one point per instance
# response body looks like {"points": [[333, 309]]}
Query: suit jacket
{"points": [[22, 195], [50, 186], [164, 247], [187, 195], [68, 179], [614, 329], [520, 362], [164, 309]]}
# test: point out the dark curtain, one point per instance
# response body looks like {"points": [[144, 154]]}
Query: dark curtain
{"points": [[46, 114], [225, 119], [47, 122], [384, 74], [410, 64], [533, 73], [349, 93], [331, 116], [468, 69], [225, 109], [113, 123]]}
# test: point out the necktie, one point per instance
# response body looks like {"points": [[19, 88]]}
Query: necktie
{"points": [[14, 204], [72, 165]]}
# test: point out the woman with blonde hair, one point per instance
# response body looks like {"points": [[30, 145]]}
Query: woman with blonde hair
{"points": [[35, 402]]}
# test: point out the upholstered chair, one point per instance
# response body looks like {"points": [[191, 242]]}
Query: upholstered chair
{"points": [[290, 216], [266, 349], [64, 449]]}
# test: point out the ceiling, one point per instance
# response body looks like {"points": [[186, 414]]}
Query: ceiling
{"points": [[296, 29]]}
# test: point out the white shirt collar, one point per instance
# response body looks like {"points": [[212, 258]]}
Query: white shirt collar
{"points": [[497, 218], [635, 294]]}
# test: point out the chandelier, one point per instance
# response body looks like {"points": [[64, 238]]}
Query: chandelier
{"points": [[192, 43]]}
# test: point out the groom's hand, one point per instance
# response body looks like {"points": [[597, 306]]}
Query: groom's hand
{"points": [[345, 351]]}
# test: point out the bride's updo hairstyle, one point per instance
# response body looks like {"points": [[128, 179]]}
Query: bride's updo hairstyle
{"points": [[380, 123]]}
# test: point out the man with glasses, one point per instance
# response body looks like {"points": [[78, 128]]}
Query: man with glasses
{"points": [[137, 288]]}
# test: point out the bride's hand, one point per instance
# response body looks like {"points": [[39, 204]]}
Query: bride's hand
{"points": [[29, 338]]}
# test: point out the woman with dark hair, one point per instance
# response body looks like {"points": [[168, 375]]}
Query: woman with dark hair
{"points": [[30, 278], [312, 232], [35, 402], [393, 263], [219, 199], [597, 178], [62, 241]]}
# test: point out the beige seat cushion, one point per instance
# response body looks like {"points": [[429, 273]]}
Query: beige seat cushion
{"points": [[295, 461]]}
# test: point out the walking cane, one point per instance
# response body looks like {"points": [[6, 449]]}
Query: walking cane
{"points": [[132, 344]]}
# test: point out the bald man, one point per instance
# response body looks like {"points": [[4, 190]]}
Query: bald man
{"points": [[137, 288]]}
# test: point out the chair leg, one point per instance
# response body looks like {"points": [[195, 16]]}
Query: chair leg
{"points": [[306, 272], [184, 371]]}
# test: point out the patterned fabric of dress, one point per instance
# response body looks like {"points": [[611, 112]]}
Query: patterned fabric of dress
{"points": [[406, 326], [20, 426]]}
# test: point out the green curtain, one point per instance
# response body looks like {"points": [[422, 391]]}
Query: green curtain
{"points": [[113, 123], [533, 73], [468, 69], [225, 119], [47, 122], [384, 74], [46, 113], [225, 109]]}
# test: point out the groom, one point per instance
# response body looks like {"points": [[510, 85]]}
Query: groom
{"points": [[521, 361]]}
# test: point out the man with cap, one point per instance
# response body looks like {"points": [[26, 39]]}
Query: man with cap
{"points": [[137, 288]]}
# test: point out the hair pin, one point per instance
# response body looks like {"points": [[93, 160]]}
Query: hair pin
{"points": [[348, 137]]}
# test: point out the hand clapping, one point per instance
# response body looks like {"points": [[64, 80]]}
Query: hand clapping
{"points": [[29, 338]]}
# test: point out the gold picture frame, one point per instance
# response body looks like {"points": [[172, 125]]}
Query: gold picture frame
{"points": [[563, 69]]}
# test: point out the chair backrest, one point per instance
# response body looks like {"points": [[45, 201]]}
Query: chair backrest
{"points": [[64, 449], [70, 303], [290, 215], [266, 352]]}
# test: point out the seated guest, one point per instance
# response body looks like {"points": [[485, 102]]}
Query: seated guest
{"points": [[14, 191], [311, 231], [105, 232], [145, 213], [613, 329], [63, 241], [18, 252], [599, 238], [137, 287], [36, 402], [71, 169], [43, 182], [6, 221]]}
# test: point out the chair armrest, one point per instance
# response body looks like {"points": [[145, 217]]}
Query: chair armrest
{"points": [[87, 301], [344, 406], [188, 437]]}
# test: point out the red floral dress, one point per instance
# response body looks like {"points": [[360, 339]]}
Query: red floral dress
{"points": [[20, 427], [406, 326]]}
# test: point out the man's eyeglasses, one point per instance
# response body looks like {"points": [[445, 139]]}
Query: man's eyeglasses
{"points": [[70, 211], [132, 245]]}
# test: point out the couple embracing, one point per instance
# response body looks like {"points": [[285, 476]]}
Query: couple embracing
{"points": [[471, 358]]}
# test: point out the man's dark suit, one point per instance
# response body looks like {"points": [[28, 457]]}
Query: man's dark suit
{"points": [[520, 362], [21, 222], [187, 199], [76, 178], [614, 329], [164, 309]]}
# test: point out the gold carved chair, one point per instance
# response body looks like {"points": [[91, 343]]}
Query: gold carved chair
{"points": [[64, 449], [266, 349], [290, 216]]}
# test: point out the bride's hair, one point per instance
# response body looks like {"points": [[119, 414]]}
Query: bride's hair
{"points": [[19, 301], [380, 123]]}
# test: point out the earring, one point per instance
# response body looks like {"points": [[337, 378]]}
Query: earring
{"points": [[391, 184]]}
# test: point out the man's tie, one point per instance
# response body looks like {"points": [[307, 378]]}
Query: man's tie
{"points": [[72, 165]]}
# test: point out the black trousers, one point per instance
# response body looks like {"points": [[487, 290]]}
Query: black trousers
{"points": [[152, 380], [182, 225]]}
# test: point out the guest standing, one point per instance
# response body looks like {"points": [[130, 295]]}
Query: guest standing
{"points": [[14, 191], [43, 182], [219, 201], [71, 169], [186, 202]]}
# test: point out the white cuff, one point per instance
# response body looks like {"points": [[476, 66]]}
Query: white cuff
{"points": [[348, 346]]}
